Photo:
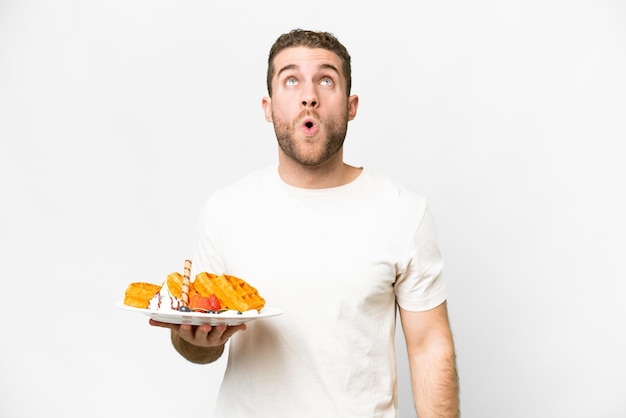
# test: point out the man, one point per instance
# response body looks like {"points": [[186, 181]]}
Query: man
{"points": [[339, 249]]}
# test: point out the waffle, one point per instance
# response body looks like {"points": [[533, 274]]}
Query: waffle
{"points": [[232, 292], [138, 294], [175, 285]]}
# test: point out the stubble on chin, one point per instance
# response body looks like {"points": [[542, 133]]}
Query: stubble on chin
{"points": [[319, 149]]}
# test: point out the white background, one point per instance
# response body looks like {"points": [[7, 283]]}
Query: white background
{"points": [[118, 118]]}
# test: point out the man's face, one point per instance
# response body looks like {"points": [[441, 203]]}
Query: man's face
{"points": [[309, 106]]}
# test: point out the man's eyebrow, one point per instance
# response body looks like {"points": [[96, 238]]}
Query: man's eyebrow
{"points": [[286, 68], [295, 67], [329, 67]]}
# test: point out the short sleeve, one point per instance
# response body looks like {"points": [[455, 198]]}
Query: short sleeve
{"points": [[421, 286]]}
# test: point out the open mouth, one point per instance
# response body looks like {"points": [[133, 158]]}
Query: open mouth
{"points": [[308, 122], [309, 125]]}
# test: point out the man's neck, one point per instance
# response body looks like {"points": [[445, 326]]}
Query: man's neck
{"points": [[333, 173]]}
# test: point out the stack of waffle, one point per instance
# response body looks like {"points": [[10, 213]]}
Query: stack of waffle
{"points": [[232, 292]]}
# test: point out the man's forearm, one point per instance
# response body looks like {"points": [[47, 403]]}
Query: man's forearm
{"points": [[436, 383], [194, 353]]}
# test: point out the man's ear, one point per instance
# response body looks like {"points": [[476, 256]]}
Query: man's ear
{"points": [[353, 104], [267, 108]]}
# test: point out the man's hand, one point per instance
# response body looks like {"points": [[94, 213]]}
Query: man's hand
{"points": [[202, 335], [200, 343]]}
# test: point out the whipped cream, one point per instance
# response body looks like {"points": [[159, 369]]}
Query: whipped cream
{"points": [[164, 300]]}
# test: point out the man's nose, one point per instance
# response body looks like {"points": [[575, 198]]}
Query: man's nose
{"points": [[310, 102], [309, 97]]}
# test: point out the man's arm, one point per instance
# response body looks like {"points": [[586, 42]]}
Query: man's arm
{"points": [[432, 361], [199, 344]]}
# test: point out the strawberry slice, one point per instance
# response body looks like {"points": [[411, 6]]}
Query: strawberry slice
{"points": [[214, 303], [198, 302]]}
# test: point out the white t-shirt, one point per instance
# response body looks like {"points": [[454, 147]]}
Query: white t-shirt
{"points": [[335, 261]]}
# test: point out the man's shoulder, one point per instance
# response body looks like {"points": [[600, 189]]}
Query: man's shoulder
{"points": [[390, 188]]}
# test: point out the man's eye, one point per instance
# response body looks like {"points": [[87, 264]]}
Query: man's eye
{"points": [[326, 81], [291, 81]]}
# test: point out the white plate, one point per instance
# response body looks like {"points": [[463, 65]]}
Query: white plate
{"points": [[199, 318]]}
